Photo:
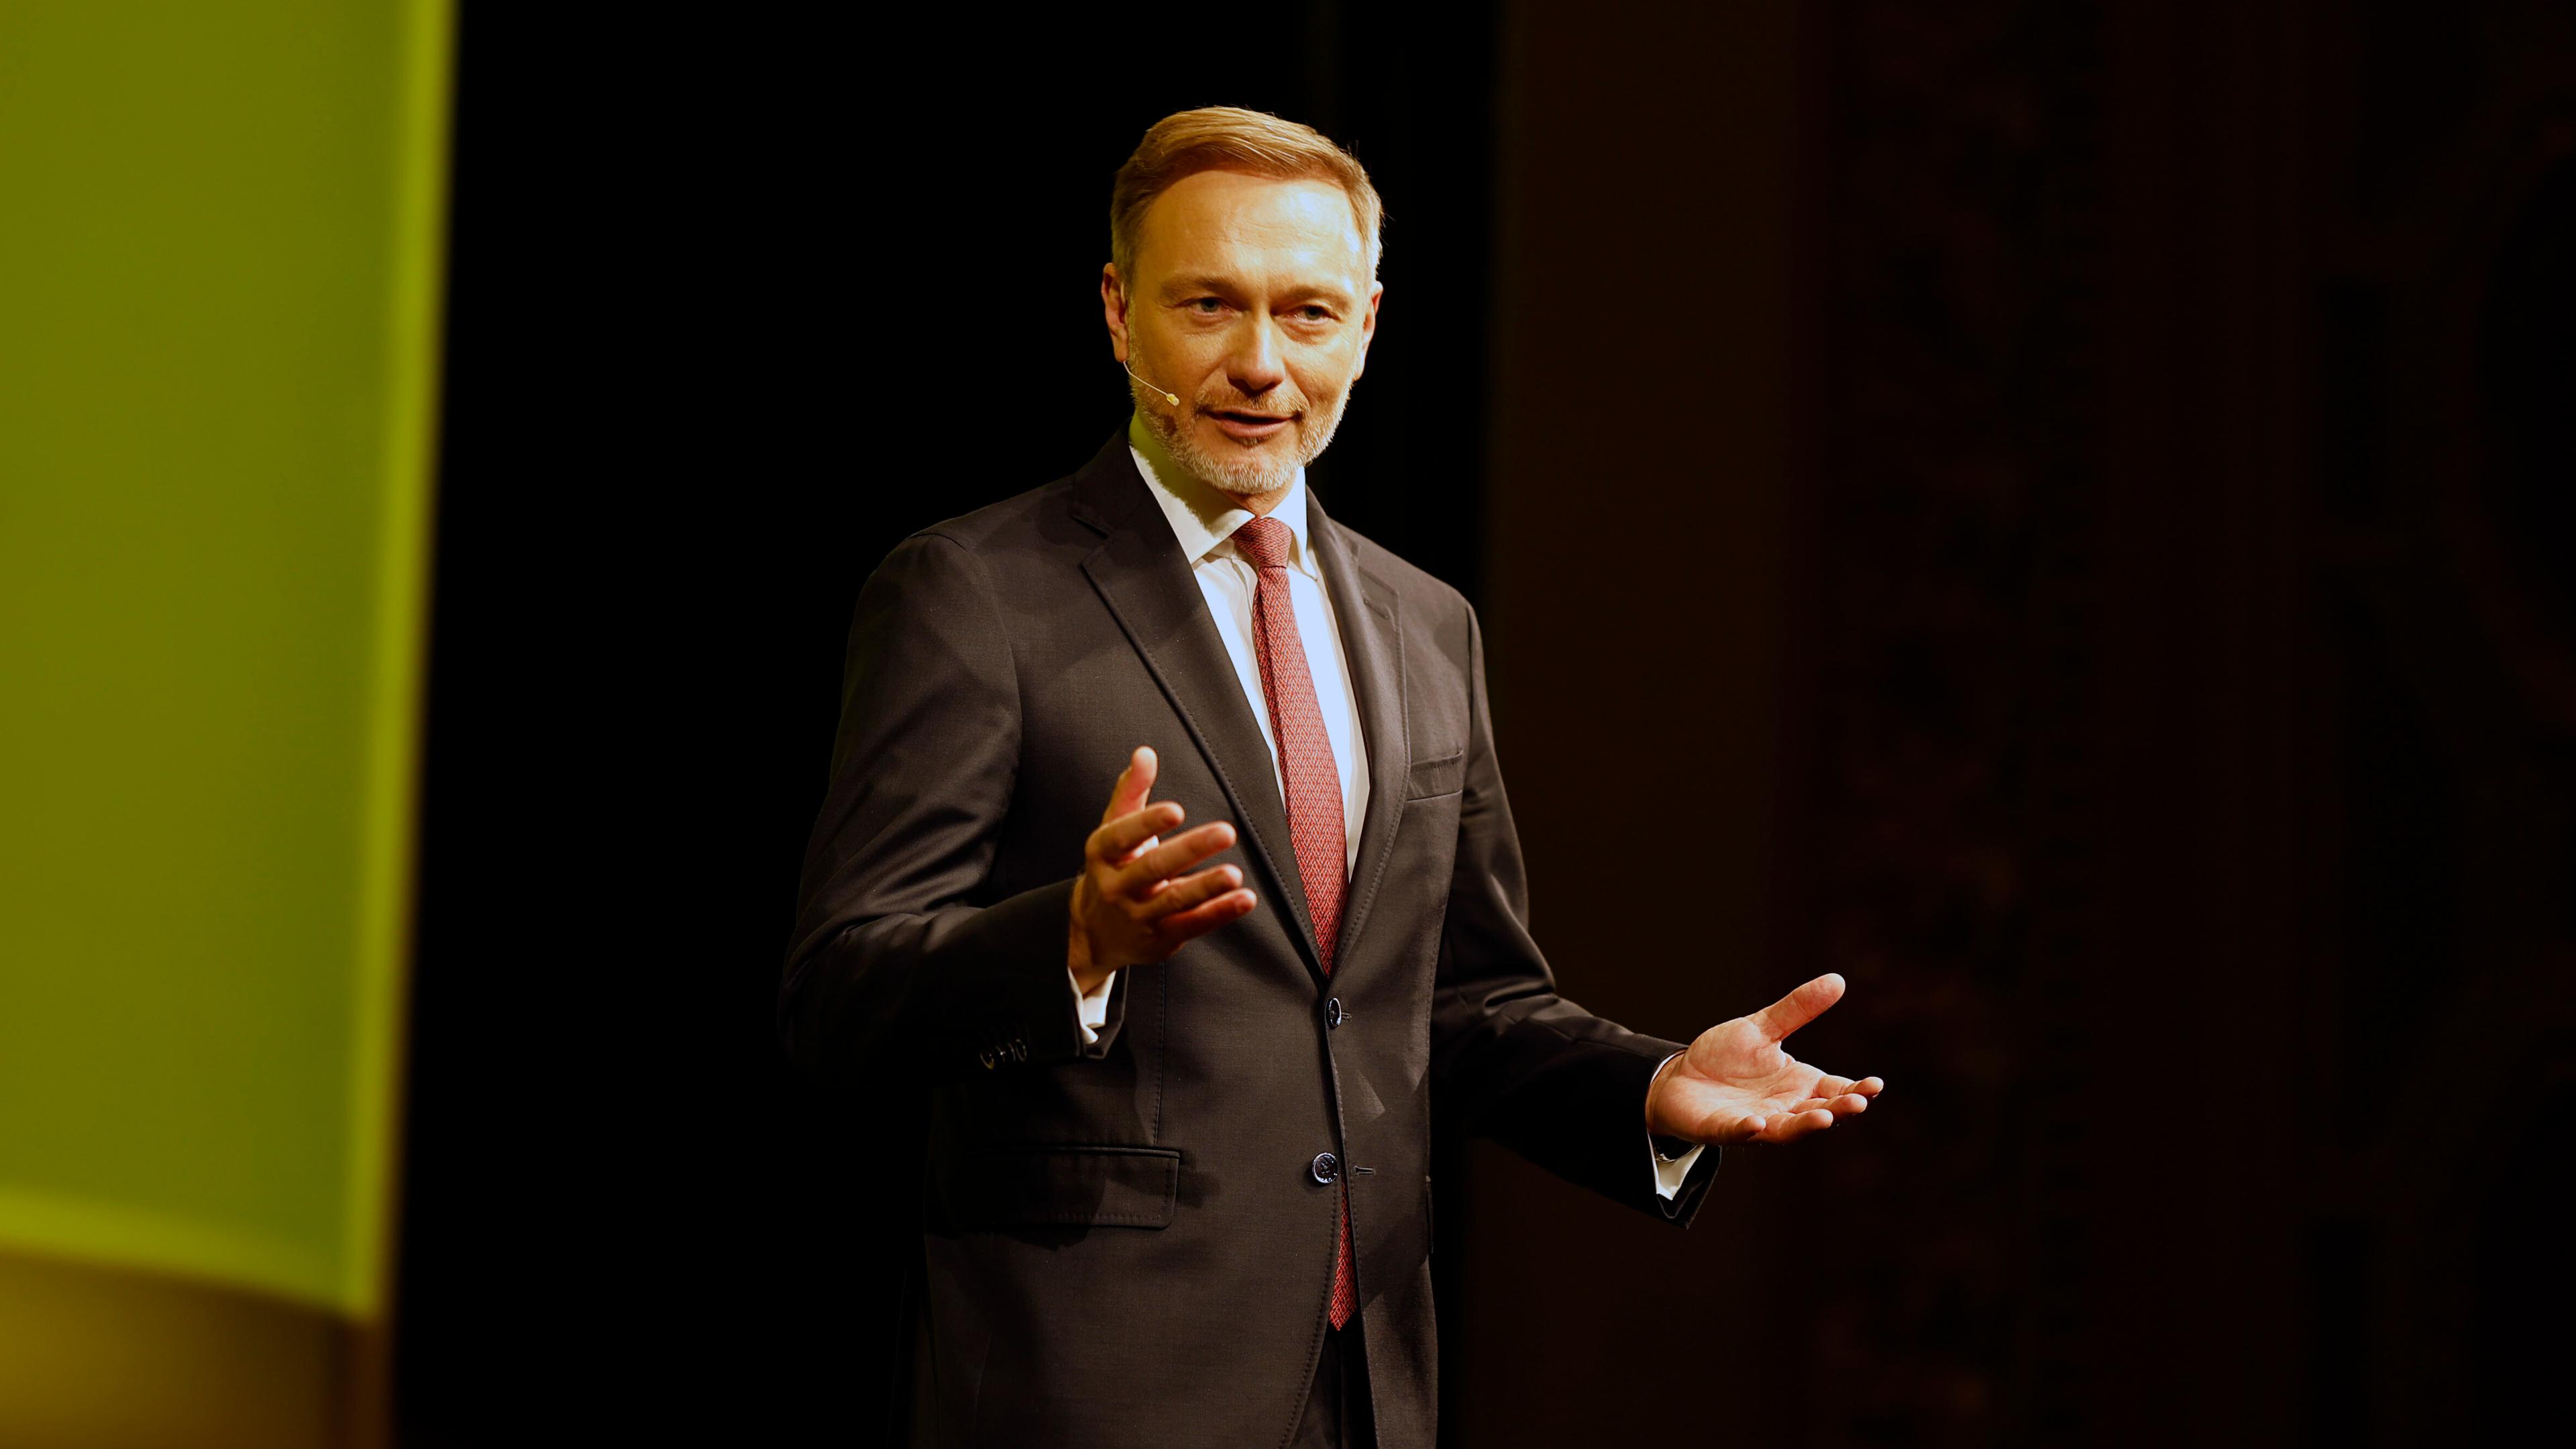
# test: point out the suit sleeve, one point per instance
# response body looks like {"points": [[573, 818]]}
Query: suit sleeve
{"points": [[902, 963], [1512, 1059]]}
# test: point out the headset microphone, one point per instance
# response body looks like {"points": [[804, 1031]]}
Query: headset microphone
{"points": [[1172, 399]]}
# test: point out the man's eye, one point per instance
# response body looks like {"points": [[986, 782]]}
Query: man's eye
{"points": [[1313, 313], [1207, 306]]}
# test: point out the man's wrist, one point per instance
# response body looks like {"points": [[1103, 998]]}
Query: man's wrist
{"points": [[1655, 1084], [1078, 958], [1670, 1153]]}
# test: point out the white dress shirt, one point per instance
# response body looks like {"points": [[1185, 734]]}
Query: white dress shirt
{"points": [[1204, 519]]}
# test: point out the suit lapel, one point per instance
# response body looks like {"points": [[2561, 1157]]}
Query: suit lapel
{"points": [[1140, 574], [1373, 643]]}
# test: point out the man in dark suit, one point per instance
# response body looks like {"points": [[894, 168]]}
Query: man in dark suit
{"points": [[1178, 1083]]}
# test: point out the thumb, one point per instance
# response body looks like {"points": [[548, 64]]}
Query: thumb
{"points": [[1799, 1007]]}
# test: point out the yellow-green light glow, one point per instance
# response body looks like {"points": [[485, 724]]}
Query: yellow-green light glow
{"points": [[219, 261]]}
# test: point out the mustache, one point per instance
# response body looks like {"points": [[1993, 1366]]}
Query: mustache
{"points": [[1272, 408]]}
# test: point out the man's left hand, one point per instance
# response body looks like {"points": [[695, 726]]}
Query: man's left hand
{"points": [[1736, 1084]]}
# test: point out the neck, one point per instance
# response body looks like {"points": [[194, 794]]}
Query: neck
{"points": [[1260, 503]]}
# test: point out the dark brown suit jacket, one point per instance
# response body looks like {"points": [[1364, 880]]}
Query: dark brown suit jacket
{"points": [[1128, 1243]]}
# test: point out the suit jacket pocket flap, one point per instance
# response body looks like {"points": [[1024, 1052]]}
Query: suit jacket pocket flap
{"points": [[1436, 777], [1073, 1185]]}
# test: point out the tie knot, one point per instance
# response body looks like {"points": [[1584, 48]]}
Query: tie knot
{"points": [[1265, 541]]}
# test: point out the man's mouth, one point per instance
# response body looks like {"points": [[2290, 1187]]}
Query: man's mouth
{"points": [[1247, 426]]}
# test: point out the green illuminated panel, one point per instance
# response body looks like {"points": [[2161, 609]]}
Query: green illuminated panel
{"points": [[218, 296]]}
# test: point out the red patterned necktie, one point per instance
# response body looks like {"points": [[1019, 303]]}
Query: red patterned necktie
{"points": [[1312, 783]]}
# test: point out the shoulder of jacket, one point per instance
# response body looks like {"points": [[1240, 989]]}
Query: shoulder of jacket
{"points": [[1014, 521], [1418, 589]]}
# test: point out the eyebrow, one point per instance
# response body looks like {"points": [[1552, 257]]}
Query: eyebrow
{"points": [[1178, 288]]}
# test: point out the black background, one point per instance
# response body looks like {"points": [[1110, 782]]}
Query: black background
{"points": [[2061, 507], [733, 307]]}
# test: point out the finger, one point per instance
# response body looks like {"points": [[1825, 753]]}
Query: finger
{"points": [[1174, 856], [1114, 841], [1729, 1130], [1192, 890], [1134, 784], [1789, 1127], [1183, 925], [1799, 1007], [1829, 1089]]}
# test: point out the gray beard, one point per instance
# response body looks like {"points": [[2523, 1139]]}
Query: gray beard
{"points": [[1235, 473]]}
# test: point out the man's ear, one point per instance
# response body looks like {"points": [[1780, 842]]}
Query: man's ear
{"points": [[1368, 328], [1113, 309]]}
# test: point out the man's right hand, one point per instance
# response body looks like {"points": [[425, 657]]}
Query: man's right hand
{"points": [[1132, 904]]}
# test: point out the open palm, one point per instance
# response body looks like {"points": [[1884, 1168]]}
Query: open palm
{"points": [[1738, 1084]]}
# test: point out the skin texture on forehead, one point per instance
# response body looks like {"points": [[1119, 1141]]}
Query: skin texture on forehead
{"points": [[1284, 232]]}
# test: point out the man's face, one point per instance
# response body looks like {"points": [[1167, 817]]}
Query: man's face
{"points": [[1252, 300]]}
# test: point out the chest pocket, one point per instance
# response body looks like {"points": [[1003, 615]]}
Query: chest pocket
{"points": [[1444, 776]]}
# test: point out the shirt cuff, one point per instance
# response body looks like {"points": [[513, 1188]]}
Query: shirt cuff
{"points": [[1669, 1175], [1093, 1010]]}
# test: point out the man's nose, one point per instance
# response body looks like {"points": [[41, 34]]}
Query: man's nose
{"points": [[1254, 367]]}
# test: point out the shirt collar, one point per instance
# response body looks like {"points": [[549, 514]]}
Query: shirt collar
{"points": [[1203, 517]]}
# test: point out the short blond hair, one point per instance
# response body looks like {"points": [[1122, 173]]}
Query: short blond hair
{"points": [[1229, 138]]}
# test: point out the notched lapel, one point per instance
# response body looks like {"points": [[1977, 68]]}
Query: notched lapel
{"points": [[1373, 641], [1140, 575]]}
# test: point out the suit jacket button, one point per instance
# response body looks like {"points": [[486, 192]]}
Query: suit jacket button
{"points": [[1333, 1012], [1327, 1167]]}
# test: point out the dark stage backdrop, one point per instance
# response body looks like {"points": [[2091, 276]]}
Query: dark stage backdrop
{"points": [[2094, 572], [2055, 511], [736, 305]]}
